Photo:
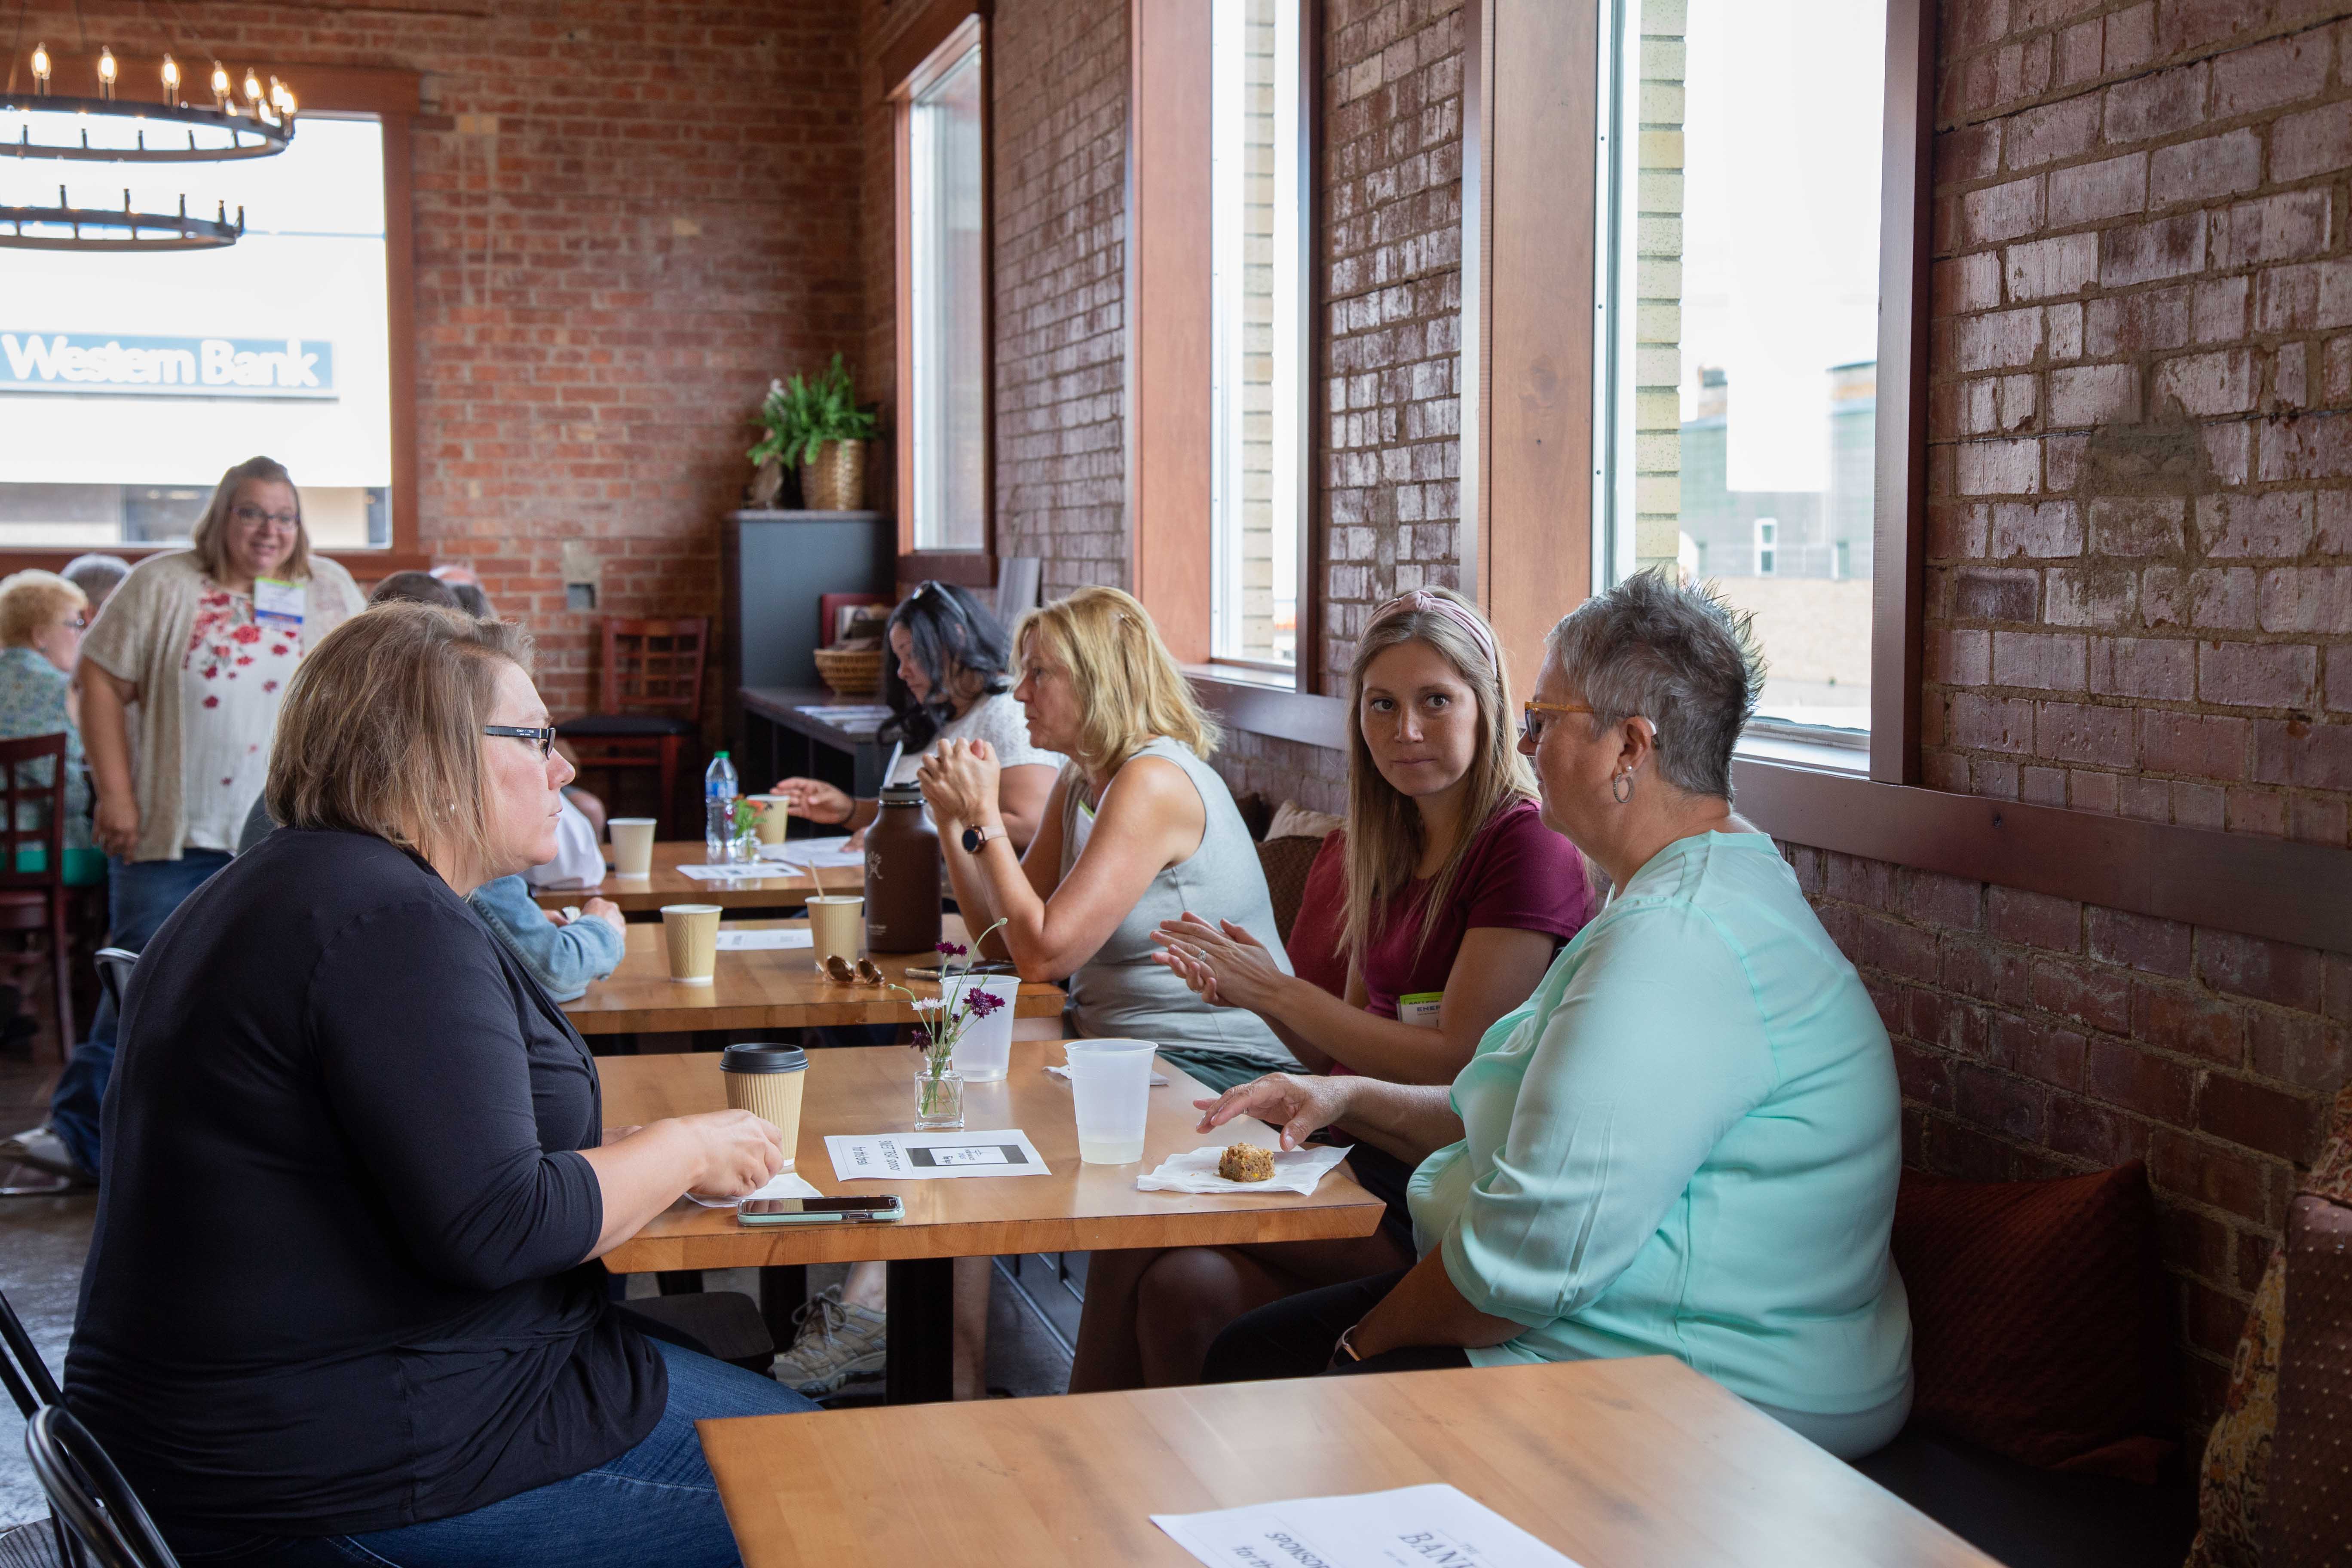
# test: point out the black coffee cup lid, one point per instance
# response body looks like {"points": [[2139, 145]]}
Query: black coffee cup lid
{"points": [[763, 1059]]}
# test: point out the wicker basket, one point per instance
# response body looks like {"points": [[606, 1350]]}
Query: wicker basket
{"points": [[835, 479], [850, 673]]}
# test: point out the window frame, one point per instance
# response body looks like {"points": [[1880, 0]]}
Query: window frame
{"points": [[393, 98], [1170, 438], [942, 35]]}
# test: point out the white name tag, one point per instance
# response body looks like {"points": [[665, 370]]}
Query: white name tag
{"points": [[1420, 1009], [278, 604]]}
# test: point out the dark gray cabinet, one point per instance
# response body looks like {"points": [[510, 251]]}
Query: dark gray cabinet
{"points": [[774, 568]]}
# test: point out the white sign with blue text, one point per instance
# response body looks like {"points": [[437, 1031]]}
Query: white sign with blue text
{"points": [[113, 365]]}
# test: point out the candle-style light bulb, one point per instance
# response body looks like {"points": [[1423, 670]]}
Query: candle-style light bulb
{"points": [[107, 71], [220, 85], [41, 66], [280, 99], [252, 86], [170, 79]]}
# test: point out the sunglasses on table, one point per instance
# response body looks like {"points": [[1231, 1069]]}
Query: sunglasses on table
{"points": [[1532, 723], [543, 739]]}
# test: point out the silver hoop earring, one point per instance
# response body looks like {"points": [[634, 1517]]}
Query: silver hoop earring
{"points": [[1621, 794]]}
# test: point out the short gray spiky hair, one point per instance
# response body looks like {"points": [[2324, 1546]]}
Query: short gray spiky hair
{"points": [[1672, 653]]}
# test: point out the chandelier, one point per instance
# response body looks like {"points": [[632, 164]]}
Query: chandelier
{"points": [[166, 129]]}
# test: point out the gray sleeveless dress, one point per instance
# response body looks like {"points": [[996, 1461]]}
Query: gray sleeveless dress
{"points": [[1120, 992]]}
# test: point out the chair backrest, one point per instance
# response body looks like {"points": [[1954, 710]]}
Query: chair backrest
{"points": [[90, 1496], [25, 798], [26, 1378], [2311, 1466], [653, 666], [114, 967]]}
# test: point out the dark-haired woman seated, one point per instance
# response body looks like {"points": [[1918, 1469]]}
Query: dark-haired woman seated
{"points": [[1685, 1143], [945, 680], [341, 1304], [1458, 896]]}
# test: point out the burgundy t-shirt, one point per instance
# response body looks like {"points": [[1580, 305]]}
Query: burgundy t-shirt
{"points": [[1517, 875]]}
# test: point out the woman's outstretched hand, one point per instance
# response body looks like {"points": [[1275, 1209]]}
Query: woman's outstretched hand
{"points": [[1298, 1105], [1222, 963]]}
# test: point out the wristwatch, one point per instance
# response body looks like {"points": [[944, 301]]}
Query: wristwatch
{"points": [[975, 839]]}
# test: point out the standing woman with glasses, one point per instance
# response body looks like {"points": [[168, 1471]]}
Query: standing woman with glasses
{"points": [[181, 680]]}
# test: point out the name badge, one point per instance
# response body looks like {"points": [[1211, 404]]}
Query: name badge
{"points": [[278, 604], [1420, 1009]]}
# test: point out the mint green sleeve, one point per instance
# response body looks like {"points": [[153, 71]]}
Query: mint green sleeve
{"points": [[1655, 1050]]}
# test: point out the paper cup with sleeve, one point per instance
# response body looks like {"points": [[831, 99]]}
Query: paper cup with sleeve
{"points": [[1110, 1086], [766, 1080], [983, 1053], [633, 844], [769, 817], [691, 931], [837, 927]]}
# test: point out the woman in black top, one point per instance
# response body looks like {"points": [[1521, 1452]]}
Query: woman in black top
{"points": [[341, 1302]]}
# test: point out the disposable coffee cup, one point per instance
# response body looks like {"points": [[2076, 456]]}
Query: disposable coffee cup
{"points": [[769, 817], [633, 844], [767, 1080], [1111, 1084], [983, 1053], [692, 932], [838, 926]]}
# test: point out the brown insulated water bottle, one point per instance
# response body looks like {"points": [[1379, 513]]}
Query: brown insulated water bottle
{"points": [[902, 875]]}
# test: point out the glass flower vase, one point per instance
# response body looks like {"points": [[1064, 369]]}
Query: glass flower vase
{"points": [[938, 1100]]}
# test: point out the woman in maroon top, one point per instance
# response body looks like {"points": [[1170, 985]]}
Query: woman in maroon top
{"points": [[1457, 897]]}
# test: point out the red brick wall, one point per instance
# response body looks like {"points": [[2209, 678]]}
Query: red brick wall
{"points": [[627, 218], [2139, 594], [1058, 171]]}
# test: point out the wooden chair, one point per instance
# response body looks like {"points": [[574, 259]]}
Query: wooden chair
{"points": [[648, 703], [34, 900]]}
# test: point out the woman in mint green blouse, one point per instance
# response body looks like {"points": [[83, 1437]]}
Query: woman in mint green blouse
{"points": [[1686, 1141]]}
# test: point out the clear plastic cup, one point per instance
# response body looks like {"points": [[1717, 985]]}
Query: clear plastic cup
{"points": [[984, 1052], [1110, 1085]]}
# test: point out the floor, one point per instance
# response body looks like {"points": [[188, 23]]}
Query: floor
{"points": [[1033, 1307]]}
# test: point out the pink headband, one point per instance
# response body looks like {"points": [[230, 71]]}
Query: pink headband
{"points": [[1436, 604]]}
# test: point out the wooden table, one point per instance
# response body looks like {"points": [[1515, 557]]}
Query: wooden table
{"points": [[1613, 1462], [771, 989], [788, 888], [1077, 1208]]}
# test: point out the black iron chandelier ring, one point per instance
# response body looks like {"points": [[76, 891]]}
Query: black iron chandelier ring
{"points": [[266, 137]]}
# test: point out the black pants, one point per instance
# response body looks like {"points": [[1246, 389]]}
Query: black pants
{"points": [[1292, 1337]]}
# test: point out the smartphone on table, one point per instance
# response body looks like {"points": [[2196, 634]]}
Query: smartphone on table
{"points": [[819, 1211]]}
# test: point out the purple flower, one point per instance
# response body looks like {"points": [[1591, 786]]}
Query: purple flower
{"points": [[953, 948], [981, 1004]]}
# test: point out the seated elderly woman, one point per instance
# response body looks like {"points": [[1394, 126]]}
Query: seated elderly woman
{"points": [[342, 1303], [1686, 1141], [41, 619]]}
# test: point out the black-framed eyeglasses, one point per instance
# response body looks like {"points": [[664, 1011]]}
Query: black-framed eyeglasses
{"points": [[543, 739], [246, 511]]}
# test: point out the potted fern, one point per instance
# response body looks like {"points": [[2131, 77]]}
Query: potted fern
{"points": [[814, 425]]}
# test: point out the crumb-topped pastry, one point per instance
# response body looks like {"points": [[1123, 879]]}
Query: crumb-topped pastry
{"points": [[1246, 1162]]}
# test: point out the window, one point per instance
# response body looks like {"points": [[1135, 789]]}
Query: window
{"points": [[1739, 203], [128, 383], [946, 316], [1256, 265]]}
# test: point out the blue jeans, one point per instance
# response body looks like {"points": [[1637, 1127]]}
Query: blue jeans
{"points": [[141, 896], [655, 1504]]}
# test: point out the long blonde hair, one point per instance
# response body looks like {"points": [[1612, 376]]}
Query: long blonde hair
{"points": [[1129, 688], [205, 539], [1384, 832], [382, 729]]}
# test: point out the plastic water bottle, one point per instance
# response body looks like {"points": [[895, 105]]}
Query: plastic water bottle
{"points": [[719, 811]]}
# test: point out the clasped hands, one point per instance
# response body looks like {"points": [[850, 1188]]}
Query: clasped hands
{"points": [[959, 783], [1224, 963]]}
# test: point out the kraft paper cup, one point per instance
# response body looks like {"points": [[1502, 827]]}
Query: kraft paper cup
{"points": [[767, 1082], [633, 844], [692, 933], [837, 925], [769, 817]]}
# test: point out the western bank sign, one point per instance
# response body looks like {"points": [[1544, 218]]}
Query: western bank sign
{"points": [[102, 363]]}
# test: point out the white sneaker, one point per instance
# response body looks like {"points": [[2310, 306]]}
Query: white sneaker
{"points": [[43, 1149], [837, 1341]]}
